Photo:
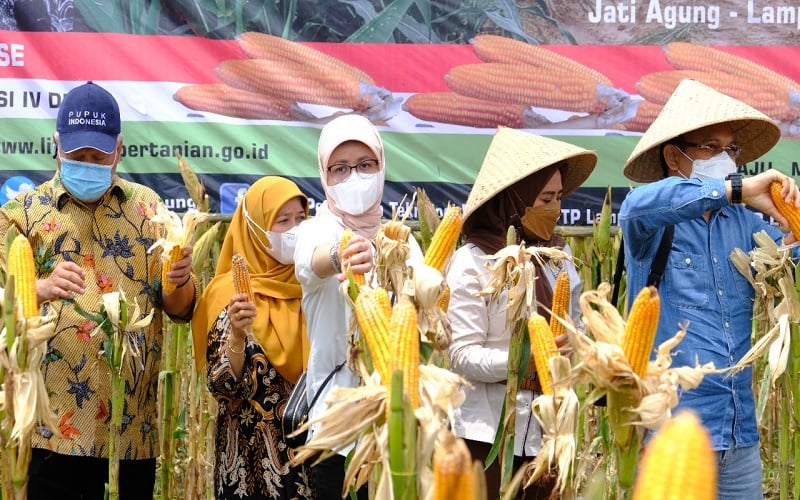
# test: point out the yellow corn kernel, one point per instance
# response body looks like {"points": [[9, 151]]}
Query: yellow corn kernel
{"points": [[771, 100], [374, 324], [444, 300], [21, 265], [562, 297], [457, 109], [445, 238], [453, 475], [684, 55], [263, 46], [229, 101], [500, 49], [527, 85], [640, 329], [293, 82], [543, 347], [405, 342], [347, 235], [786, 209], [382, 297], [175, 255], [241, 276], [678, 463]]}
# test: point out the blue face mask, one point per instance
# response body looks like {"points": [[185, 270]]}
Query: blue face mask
{"points": [[85, 181]]}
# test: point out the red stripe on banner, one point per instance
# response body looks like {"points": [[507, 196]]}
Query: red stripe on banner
{"points": [[397, 67]]}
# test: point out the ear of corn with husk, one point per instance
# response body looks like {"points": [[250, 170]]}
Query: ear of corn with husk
{"points": [[24, 400], [444, 239], [176, 232]]}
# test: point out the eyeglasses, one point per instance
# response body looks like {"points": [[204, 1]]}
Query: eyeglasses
{"points": [[341, 171], [714, 149]]}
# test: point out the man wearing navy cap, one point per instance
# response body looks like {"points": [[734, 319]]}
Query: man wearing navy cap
{"points": [[91, 222]]}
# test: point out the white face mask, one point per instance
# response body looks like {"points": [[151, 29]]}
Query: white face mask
{"points": [[357, 194], [281, 245], [716, 167]]}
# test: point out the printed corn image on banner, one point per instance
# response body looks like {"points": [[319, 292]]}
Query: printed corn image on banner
{"points": [[239, 98]]}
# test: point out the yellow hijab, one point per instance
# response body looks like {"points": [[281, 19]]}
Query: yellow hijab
{"points": [[279, 324]]}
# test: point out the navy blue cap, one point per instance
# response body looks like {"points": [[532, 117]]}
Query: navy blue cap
{"points": [[88, 118]]}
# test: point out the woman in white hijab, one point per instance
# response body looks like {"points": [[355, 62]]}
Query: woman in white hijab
{"points": [[351, 168]]}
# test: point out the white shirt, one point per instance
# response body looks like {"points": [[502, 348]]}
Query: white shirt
{"points": [[479, 351], [327, 313]]}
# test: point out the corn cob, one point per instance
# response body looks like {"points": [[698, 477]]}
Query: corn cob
{"points": [[21, 266], [241, 276], [444, 300], [684, 55], [678, 463], [453, 475], [527, 85], [543, 347], [175, 254], [263, 46], [640, 329], [456, 109], [347, 235], [786, 209], [374, 324], [770, 99], [500, 49], [445, 238], [229, 101], [405, 342], [385, 303], [293, 82], [561, 301], [646, 113]]}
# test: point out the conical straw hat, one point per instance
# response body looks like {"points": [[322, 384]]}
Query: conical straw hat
{"points": [[514, 155], [693, 106]]}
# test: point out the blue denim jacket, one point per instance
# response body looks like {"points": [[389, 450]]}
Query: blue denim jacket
{"points": [[700, 285]]}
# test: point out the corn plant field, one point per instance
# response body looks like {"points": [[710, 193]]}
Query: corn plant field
{"points": [[187, 412]]}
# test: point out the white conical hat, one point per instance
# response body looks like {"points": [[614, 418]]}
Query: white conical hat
{"points": [[514, 155], [693, 106]]}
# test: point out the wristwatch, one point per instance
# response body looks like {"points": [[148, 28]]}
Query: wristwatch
{"points": [[334, 255], [736, 188]]}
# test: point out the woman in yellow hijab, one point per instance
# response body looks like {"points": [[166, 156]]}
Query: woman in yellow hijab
{"points": [[255, 350]]}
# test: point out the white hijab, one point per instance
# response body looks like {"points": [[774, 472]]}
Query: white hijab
{"points": [[337, 131]]}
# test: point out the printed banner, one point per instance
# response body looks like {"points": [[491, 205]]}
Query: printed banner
{"points": [[253, 104]]}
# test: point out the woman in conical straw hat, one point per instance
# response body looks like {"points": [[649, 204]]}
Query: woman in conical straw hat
{"points": [[521, 183], [689, 158]]}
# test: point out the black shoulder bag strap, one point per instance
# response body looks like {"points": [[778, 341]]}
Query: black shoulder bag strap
{"points": [[324, 383], [656, 271]]}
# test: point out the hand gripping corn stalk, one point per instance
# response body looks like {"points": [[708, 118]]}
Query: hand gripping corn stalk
{"points": [[118, 321], [776, 332], [176, 234], [614, 356], [23, 343]]}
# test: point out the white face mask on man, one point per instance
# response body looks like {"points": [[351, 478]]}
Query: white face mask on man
{"points": [[718, 166], [357, 193]]}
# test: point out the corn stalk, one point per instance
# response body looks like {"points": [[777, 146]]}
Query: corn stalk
{"points": [[115, 320]]}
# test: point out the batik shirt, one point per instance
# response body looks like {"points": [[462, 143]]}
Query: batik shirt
{"points": [[110, 244], [252, 458]]}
